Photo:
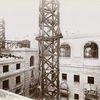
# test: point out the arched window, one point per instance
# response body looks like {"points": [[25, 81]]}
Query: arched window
{"points": [[91, 50], [65, 50], [32, 61]]}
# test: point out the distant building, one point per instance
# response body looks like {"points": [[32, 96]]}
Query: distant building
{"points": [[80, 67], [12, 74], [28, 69], [24, 43]]}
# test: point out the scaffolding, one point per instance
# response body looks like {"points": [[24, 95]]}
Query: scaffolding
{"points": [[49, 45], [2, 34]]}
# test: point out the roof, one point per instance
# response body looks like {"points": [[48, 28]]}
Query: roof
{"points": [[8, 58], [5, 95], [81, 35], [24, 49]]}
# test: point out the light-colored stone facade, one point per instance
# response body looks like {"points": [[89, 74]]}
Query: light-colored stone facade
{"points": [[11, 74], [77, 64], [30, 74]]}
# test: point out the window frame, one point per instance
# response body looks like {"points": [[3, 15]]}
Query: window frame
{"points": [[90, 80], [18, 80], [18, 66], [5, 70], [77, 78], [93, 52], [76, 96], [65, 50], [17, 91], [64, 75], [6, 84], [31, 61]]}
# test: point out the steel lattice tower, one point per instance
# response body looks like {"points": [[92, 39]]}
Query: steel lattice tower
{"points": [[49, 42], [2, 34]]}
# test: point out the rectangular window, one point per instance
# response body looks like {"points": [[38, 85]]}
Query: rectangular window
{"points": [[18, 80], [91, 80], [76, 78], [17, 66], [6, 84], [76, 96], [64, 76], [18, 91], [5, 68]]}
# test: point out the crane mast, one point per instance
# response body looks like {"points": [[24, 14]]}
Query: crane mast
{"points": [[2, 34], [49, 44]]}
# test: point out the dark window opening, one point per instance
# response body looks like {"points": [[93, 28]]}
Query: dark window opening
{"points": [[18, 91], [64, 76], [76, 78], [91, 80], [17, 66], [91, 50], [76, 96], [6, 84], [18, 80], [32, 61], [5, 68]]}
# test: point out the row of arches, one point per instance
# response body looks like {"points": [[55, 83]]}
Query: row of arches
{"points": [[90, 50]]}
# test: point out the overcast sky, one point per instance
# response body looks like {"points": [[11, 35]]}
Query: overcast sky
{"points": [[77, 16]]}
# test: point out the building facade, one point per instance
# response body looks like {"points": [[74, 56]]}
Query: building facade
{"points": [[12, 74], [80, 67], [29, 67]]}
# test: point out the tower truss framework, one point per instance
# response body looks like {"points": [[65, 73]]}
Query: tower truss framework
{"points": [[49, 42], [2, 34], [5, 44]]}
